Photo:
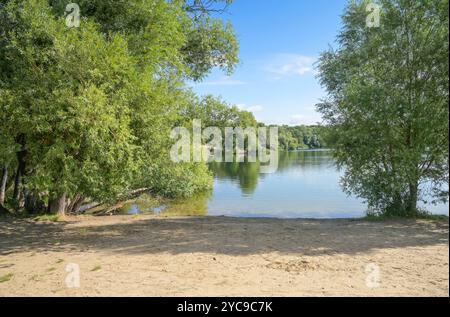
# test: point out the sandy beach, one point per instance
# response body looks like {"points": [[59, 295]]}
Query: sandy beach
{"points": [[215, 256]]}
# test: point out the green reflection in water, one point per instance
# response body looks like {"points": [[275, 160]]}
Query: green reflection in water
{"points": [[306, 185], [248, 175], [148, 205]]}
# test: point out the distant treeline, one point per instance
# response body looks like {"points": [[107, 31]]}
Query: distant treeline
{"points": [[214, 112], [293, 138]]}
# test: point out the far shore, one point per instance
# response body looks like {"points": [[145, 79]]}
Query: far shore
{"points": [[219, 256]]}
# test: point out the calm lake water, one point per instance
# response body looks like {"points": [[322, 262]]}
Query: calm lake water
{"points": [[306, 185]]}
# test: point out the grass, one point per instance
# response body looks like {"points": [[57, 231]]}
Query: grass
{"points": [[6, 277], [22, 214], [45, 218], [97, 268], [420, 215], [83, 231]]}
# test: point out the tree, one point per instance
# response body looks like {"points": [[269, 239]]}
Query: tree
{"points": [[86, 112], [214, 112], [387, 104], [302, 137]]}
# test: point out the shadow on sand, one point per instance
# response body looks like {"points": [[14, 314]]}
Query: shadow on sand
{"points": [[227, 236]]}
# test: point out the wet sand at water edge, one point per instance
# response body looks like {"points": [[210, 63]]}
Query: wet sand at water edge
{"points": [[216, 256]]}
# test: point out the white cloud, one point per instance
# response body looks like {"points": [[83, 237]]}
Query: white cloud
{"points": [[291, 65], [255, 108], [305, 119], [297, 119], [225, 81]]}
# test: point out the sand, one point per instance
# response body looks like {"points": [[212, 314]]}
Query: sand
{"points": [[155, 256]]}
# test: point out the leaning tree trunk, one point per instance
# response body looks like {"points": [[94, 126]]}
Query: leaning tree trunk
{"points": [[3, 183], [58, 205], [75, 204]]}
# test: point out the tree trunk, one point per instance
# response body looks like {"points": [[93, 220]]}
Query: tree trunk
{"points": [[19, 174], [3, 183], [398, 205], [34, 203], [16, 194], [75, 204], [413, 197], [58, 205]]}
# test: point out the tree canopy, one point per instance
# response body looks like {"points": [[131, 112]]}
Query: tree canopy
{"points": [[293, 138], [86, 112], [387, 104]]}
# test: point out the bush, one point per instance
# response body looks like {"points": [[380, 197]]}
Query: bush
{"points": [[181, 180]]}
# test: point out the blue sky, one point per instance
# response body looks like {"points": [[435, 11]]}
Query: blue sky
{"points": [[280, 41]]}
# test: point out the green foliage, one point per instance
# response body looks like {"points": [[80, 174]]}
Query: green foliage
{"points": [[214, 112], [301, 138], [211, 43], [387, 103], [46, 218], [181, 180], [91, 108], [419, 215]]}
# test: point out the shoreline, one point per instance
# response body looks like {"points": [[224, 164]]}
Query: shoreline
{"points": [[223, 256], [57, 218]]}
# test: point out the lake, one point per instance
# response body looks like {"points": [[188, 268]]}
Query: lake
{"points": [[306, 185]]}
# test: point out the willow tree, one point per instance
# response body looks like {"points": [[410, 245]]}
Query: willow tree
{"points": [[86, 112], [387, 102]]}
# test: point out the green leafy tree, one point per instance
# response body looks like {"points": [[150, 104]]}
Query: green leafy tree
{"points": [[86, 112], [387, 103], [214, 112]]}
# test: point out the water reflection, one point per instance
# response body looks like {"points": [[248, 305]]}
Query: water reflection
{"points": [[147, 204], [306, 185], [248, 175]]}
